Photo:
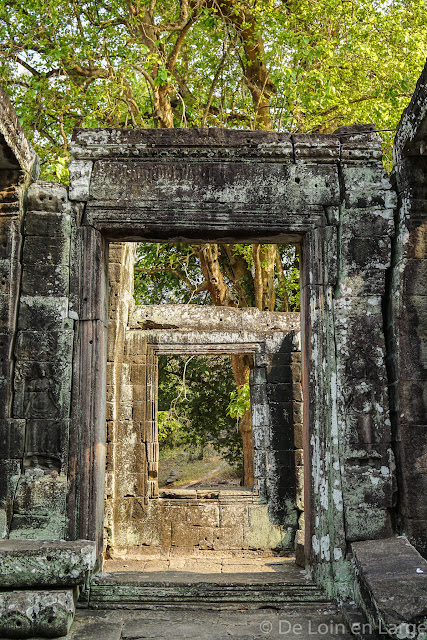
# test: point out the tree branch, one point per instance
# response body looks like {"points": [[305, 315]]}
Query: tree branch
{"points": [[255, 74], [202, 287], [183, 20], [258, 276], [144, 73], [173, 57], [27, 66], [75, 69], [214, 83], [166, 270]]}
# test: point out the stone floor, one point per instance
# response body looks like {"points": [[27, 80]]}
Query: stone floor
{"points": [[315, 623]]}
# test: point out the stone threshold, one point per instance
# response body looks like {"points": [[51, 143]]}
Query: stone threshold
{"points": [[247, 582], [223, 495], [246, 495], [207, 563]]}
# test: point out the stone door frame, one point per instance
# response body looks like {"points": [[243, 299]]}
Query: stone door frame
{"points": [[88, 409], [176, 343], [173, 348], [87, 444], [235, 186]]}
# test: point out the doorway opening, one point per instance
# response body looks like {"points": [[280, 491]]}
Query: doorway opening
{"points": [[146, 511], [199, 408]]}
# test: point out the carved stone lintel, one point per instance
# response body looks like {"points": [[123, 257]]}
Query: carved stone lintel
{"points": [[80, 173]]}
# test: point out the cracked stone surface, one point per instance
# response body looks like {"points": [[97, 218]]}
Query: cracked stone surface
{"points": [[303, 622], [26, 563]]}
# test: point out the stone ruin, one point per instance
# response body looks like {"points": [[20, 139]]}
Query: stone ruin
{"points": [[78, 444], [139, 517]]}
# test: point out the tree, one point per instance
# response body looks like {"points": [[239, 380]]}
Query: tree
{"points": [[292, 65], [287, 65], [193, 397]]}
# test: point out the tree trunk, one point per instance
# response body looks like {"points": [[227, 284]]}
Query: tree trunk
{"points": [[264, 263], [281, 278], [239, 273], [162, 107], [217, 287], [241, 368], [222, 297], [268, 261], [255, 74]]}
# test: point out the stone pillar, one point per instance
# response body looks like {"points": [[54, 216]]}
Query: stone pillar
{"points": [[364, 428], [276, 401], [131, 434], [409, 361], [89, 307], [351, 466], [324, 523], [43, 352], [12, 430], [123, 438], [151, 427], [260, 421]]}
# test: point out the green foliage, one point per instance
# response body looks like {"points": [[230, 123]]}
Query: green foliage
{"points": [[240, 401], [86, 64], [193, 394], [168, 427], [168, 274], [291, 278], [291, 285], [245, 250]]}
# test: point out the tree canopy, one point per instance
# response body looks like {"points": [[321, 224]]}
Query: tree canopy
{"points": [[263, 276], [288, 65]]}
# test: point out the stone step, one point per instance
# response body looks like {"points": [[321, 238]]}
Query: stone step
{"points": [[121, 591], [45, 563]]}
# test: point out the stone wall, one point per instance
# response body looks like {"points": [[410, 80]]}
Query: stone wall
{"points": [[349, 488], [18, 166], [183, 521], [38, 579], [407, 328], [43, 365], [123, 463]]}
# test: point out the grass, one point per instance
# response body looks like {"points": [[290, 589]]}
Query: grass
{"points": [[212, 469]]}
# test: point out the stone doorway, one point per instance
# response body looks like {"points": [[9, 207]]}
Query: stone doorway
{"points": [[209, 185], [141, 520], [236, 186]]}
